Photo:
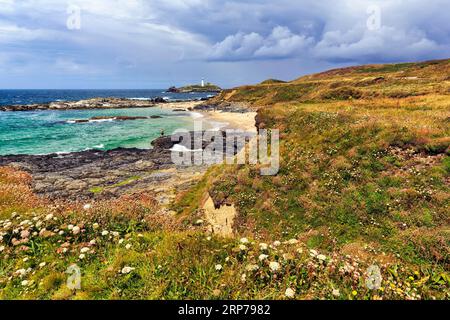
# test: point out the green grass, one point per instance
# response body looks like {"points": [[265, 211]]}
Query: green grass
{"points": [[364, 180]]}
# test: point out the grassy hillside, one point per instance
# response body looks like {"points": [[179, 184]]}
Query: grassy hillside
{"points": [[396, 81], [364, 180]]}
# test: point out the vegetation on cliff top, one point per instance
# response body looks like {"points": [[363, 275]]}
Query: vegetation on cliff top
{"points": [[364, 181]]}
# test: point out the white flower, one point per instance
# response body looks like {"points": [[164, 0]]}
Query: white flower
{"points": [[25, 259], [95, 226], [263, 257], [92, 242], [21, 272], [263, 246], [242, 247], [128, 246], [85, 250], [244, 240], [61, 233], [64, 250], [277, 244], [105, 233], [2, 248], [42, 264], [313, 253], [292, 241], [87, 206], [290, 293], [219, 267], [49, 217], [24, 283], [274, 266], [127, 270], [121, 241], [322, 257], [70, 226], [82, 256], [76, 230], [115, 234], [244, 277], [199, 222], [336, 293]]}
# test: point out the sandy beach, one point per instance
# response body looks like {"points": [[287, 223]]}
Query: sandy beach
{"points": [[225, 120]]}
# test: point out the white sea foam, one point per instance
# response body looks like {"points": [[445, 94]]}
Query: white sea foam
{"points": [[141, 99], [197, 115], [103, 120]]}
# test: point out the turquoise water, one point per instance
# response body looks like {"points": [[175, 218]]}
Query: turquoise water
{"points": [[45, 132]]}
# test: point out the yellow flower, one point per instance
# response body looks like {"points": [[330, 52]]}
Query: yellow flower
{"points": [[355, 293]]}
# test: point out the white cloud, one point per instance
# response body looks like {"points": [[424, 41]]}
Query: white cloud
{"points": [[280, 44], [386, 44]]}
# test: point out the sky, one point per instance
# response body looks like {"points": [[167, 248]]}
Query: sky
{"points": [[144, 44]]}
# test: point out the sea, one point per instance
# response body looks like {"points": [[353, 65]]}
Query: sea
{"points": [[54, 131]]}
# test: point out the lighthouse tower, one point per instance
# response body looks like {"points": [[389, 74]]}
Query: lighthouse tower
{"points": [[203, 83]]}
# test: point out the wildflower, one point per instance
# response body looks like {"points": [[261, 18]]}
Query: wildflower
{"points": [[199, 222], [336, 293], [25, 259], [85, 250], [105, 233], [95, 226], [127, 270], [219, 267], [42, 264], [290, 293], [70, 226], [263, 246], [321, 257], [21, 272], [263, 257], [92, 242], [242, 247], [64, 250], [25, 234], [252, 268], [313, 253], [24, 283], [354, 293], [244, 278], [121, 241], [76, 230], [244, 241], [87, 206], [208, 238], [292, 241], [115, 234], [82, 256], [128, 246], [274, 266], [61, 233], [277, 244], [2, 248], [49, 217]]}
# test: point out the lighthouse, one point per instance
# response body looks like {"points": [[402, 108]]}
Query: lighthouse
{"points": [[203, 83]]}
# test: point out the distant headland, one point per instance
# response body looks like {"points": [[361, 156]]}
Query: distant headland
{"points": [[203, 87]]}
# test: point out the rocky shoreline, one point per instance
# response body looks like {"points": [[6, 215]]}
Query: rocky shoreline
{"points": [[98, 174], [95, 103]]}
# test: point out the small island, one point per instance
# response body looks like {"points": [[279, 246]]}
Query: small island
{"points": [[203, 87]]}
